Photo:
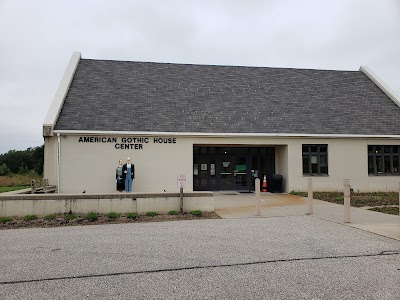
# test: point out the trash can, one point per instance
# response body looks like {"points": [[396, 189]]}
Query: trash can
{"points": [[276, 183]]}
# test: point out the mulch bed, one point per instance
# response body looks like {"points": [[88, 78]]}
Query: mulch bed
{"points": [[102, 219], [385, 202], [392, 210]]}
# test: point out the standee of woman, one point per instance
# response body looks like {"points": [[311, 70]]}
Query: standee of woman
{"points": [[129, 171], [120, 177]]}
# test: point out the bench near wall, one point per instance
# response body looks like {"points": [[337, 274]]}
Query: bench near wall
{"points": [[44, 204]]}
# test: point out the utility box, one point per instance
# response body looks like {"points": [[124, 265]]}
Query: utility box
{"points": [[275, 185]]}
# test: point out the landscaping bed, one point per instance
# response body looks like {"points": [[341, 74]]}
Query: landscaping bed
{"points": [[92, 218], [386, 202]]}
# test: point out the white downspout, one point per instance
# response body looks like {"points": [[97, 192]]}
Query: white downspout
{"points": [[58, 161]]}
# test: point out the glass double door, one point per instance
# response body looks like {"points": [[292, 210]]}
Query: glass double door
{"points": [[233, 174], [230, 168]]}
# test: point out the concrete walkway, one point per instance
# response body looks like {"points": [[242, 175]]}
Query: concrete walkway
{"points": [[237, 205]]}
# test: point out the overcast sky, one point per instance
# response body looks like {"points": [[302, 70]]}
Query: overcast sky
{"points": [[37, 39]]}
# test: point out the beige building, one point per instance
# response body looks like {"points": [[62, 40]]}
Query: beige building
{"points": [[221, 126]]}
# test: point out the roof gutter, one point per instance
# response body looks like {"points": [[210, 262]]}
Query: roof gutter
{"points": [[58, 100], [386, 89], [201, 134]]}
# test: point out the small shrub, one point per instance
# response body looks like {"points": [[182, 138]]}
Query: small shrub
{"points": [[196, 212], [91, 216], [70, 216], [151, 213], [113, 215], [339, 198], [173, 212], [5, 219], [49, 217], [302, 194], [132, 215], [30, 217]]}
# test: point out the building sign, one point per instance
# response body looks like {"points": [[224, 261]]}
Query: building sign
{"points": [[131, 143], [181, 180]]}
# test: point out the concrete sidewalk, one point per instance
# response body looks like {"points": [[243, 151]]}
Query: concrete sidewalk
{"points": [[237, 205]]}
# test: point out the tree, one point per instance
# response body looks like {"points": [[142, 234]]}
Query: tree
{"points": [[4, 170], [22, 162]]}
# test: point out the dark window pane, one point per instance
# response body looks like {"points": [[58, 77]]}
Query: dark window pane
{"points": [[379, 164], [396, 149], [306, 165], [323, 164], [196, 150], [378, 149], [323, 148], [370, 149], [387, 165], [212, 150], [386, 149], [314, 168], [314, 148], [396, 166], [305, 149], [203, 150], [323, 160], [203, 182], [253, 151], [370, 164]]}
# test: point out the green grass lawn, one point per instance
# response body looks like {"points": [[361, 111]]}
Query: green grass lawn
{"points": [[4, 189]]}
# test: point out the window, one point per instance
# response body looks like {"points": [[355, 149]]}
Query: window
{"points": [[315, 159], [383, 160]]}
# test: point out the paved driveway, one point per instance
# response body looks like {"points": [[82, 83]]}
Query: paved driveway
{"points": [[294, 257]]}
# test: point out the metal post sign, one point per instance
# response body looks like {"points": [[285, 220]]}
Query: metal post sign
{"points": [[181, 180]]}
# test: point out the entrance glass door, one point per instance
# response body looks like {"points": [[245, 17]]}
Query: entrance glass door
{"points": [[230, 168], [240, 173], [234, 173], [227, 168]]}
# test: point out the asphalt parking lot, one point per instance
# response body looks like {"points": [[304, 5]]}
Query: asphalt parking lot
{"points": [[297, 257]]}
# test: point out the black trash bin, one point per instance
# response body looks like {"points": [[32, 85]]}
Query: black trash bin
{"points": [[276, 183]]}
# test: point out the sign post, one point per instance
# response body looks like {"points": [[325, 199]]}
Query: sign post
{"points": [[310, 197], [346, 192], [257, 188], [181, 183]]}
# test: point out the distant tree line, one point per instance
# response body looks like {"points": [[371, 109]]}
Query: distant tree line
{"points": [[22, 161]]}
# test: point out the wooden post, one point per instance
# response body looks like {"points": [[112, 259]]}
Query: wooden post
{"points": [[346, 192], [257, 187], [181, 197], [310, 197]]}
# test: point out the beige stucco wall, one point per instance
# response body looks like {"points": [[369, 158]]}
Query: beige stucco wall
{"points": [[50, 160], [91, 167]]}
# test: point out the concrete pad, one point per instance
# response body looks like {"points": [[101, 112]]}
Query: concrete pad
{"points": [[279, 205]]}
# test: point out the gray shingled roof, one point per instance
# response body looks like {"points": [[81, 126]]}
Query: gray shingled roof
{"points": [[160, 97]]}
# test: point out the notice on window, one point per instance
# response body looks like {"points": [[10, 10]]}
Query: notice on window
{"points": [[195, 169], [204, 167], [226, 164], [241, 168], [314, 159], [212, 169]]}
